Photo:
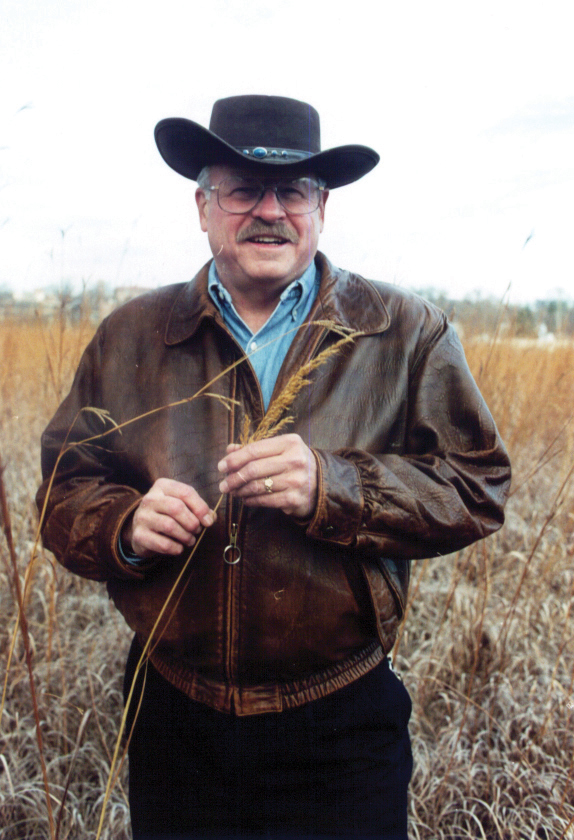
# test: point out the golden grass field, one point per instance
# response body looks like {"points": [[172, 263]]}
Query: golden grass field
{"points": [[486, 651]]}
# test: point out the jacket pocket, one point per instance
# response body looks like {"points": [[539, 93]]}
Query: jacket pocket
{"points": [[387, 582]]}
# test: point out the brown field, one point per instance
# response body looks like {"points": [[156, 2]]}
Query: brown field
{"points": [[487, 648]]}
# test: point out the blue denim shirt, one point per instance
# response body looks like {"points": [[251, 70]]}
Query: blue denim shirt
{"points": [[276, 335]]}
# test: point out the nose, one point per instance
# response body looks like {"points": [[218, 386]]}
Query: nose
{"points": [[268, 206]]}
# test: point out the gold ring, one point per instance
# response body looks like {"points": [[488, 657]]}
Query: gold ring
{"points": [[268, 484]]}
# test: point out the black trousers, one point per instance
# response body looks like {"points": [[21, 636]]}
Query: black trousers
{"points": [[336, 767]]}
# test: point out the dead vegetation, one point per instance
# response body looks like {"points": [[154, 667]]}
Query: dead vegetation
{"points": [[487, 650]]}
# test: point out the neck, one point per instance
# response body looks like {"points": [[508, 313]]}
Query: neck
{"points": [[254, 300], [255, 306]]}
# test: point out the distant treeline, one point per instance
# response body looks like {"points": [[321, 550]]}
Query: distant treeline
{"points": [[478, 315], [472, 315]]}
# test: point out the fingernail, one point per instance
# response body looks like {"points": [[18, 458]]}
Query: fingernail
{"points": [[223, 487], [222, 466], [208, 519]]}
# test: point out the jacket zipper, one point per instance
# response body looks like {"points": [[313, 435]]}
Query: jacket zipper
{"points": [[232, 553]]}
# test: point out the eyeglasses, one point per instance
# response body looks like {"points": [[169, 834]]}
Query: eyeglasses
{"points": [[240, 195]]}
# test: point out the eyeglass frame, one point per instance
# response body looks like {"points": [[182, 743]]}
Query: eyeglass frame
{"points": [[271, 186]]}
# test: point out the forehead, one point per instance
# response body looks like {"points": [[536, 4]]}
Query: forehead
{"points": [[221, 171]]}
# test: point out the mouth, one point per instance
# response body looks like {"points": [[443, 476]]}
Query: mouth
{"points": [[267, 240]]}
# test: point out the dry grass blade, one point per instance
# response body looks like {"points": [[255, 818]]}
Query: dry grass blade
{"points": [[245, 431], [102, 415], [552, 513], [8, 776], [546, 456], [468, 696], [226, 402], [7, 527], [79, 738]]}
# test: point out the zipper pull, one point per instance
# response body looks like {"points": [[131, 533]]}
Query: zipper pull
{"points": [[232, 550]]}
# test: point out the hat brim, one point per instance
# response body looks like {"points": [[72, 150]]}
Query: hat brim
{"points": [[187, 147]]}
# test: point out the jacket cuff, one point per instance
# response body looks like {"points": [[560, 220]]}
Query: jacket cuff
{"points": [[117, 516], [340, 503]]}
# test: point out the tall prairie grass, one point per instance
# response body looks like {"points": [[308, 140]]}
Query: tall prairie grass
{"points": [[486, 651]]}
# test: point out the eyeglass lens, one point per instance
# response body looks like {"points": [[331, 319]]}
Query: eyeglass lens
{"points": [[240, 195]]}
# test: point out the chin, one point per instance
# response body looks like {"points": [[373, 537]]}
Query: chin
{"points": [[269, 266]]}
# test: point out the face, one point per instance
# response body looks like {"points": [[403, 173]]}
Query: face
{"points": [[266, 245]]}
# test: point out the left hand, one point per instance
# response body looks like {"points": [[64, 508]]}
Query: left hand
{"points": [[284, 459]]}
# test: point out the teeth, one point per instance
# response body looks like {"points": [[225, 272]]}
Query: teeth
{"points": [[267, 239]]}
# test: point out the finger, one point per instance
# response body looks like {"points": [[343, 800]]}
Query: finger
{"points": [[250, 477], [155, 533], [258, 486], [197, 506], [154, 523], [269, 500], [237, 459], [189, 496], [150, 543], [293, 491], [154, 507]]}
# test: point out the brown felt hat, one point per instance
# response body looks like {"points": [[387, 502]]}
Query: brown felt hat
{"points": [[263, 132]]}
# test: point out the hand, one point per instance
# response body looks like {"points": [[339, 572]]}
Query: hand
{"points": [[167, 519], [286, 460]]}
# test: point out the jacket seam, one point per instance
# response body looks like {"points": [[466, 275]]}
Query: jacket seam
{"points": [[392, 587], [433, 338]]}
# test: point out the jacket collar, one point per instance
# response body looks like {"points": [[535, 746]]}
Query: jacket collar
{"points": [[346, 299], [349, 300]]}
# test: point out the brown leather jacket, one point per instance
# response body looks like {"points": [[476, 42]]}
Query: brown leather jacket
{"points": [[410, 466]]}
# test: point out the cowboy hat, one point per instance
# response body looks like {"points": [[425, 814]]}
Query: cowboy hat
{"points": [[263, 132]]}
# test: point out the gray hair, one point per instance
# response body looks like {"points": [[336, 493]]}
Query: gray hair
{"points": [[204, 178]]}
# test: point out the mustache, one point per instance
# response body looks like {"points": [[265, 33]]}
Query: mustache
{"points": [[259, 228]]}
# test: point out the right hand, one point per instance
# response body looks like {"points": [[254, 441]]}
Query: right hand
{"points": [[167, 519]]}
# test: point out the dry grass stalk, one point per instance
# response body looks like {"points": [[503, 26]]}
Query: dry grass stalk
{"points": [[550, 516], [23, 623], [79, 738]]}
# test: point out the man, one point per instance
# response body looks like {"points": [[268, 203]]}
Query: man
{"points": [[269, 707]]}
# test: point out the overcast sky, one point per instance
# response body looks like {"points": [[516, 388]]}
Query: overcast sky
{"points": [[470, 105]]}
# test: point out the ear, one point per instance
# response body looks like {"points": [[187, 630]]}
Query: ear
{"points": [[202, 202]]}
